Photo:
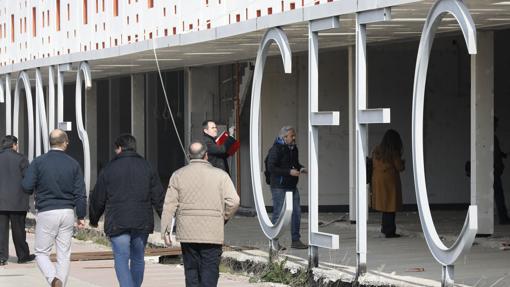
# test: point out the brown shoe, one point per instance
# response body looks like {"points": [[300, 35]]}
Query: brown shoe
{"points": [[56, 282]]}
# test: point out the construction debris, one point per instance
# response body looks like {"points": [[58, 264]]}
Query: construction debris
{"points": [[108, 255]]}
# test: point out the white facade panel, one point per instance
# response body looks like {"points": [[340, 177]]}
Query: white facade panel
{"points": [[38, 29]]}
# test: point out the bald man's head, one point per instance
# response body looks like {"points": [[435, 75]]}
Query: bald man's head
{"points": [[59, 139], [197, 150]]}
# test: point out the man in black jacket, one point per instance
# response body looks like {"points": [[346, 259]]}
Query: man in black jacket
{"points": [[217, 153], [284, 167], [13, 201], [127, 190], [59, 188]]}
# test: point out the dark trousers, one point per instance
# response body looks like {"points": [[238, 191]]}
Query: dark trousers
{"points": [[279, 200], [19, 236], [388, 226], [201, 264], [499, 198]]}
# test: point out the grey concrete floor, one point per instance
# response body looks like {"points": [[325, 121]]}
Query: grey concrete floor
{"points": [[101, 273], [408, 257], [403, 261]]}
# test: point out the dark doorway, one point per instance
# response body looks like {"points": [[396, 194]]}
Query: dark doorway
{"points": [[163, 149], [113, 115]]}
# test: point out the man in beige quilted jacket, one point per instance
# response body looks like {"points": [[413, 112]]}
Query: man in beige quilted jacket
{"points": [[202, 198]]}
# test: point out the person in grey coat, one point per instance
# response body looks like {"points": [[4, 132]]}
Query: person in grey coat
{"points": [[13, 201]]}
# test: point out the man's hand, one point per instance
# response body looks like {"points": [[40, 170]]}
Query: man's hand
{"points": [[232, 131], [80, 224], [294, 172], [168, 239]]}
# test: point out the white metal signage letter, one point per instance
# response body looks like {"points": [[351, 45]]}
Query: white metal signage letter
{"points": [[51, 99], [23, 77], [444, 255], [317, 239], [82, 133], [60, 97], [40, 115], [271, 231], [362, 118], [8, 105]]}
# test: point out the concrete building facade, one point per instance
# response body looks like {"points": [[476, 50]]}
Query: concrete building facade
{"points": [[207, 90], [199, 56]]}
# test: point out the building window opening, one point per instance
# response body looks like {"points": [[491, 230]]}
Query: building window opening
{"points": [[12, 28], [57, 16], [85, 12], [34, 22], [115, 8]]}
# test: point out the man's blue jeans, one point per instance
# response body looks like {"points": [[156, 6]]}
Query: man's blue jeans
{"points": [[278, 200], [128, 254]]}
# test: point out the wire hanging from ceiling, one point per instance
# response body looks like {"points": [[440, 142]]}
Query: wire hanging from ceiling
{"points": [[167, 101]]}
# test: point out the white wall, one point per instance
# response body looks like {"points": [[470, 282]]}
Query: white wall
{"points": [[285, 102], [446, 138], [390, 78]]}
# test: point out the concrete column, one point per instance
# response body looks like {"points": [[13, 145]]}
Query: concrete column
{"points": [[23, 134], [151, 131], [352, 133], [2, 107], [138, 111], [91, 128], [8, 105], [2, 116], [188, 103], [114, 113], [482, 131], [247, 200]]}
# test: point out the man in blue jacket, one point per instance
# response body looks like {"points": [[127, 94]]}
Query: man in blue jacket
{"points": [[283, 164], [127, 190], [57, 181]]}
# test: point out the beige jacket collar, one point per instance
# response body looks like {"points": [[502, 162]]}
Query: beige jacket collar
{"points": [[200, 161]]}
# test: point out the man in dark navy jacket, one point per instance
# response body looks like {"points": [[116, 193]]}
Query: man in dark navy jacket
{"points": [[57, 181], [283, 164], [127, 190], [13, 201]]}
